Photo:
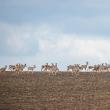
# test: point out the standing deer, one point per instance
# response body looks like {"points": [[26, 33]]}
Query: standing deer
{"points": [[31, 68], [3, 69]]}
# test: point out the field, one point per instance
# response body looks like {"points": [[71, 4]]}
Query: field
{"points": [[39, 91]]}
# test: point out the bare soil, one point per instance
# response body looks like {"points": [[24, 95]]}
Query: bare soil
{"points": [[39, 91]]}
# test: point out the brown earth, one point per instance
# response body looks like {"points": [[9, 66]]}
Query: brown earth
{"points": [[39, 91]]}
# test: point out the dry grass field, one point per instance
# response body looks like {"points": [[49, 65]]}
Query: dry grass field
{"points": [[39, 91]]}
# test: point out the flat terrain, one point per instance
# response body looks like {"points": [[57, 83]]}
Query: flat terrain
{"points": [[39, 91]]}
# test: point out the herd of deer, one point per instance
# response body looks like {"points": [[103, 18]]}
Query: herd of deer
{"points": [[53, 68]]}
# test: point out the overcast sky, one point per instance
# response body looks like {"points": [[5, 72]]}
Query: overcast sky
{"points": [[63, 31]]}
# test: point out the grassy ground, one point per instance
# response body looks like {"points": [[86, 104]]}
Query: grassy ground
{"points": [[39, 91]]}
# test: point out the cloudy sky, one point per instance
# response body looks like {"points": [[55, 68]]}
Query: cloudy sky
{"points": [[63, 31]]}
